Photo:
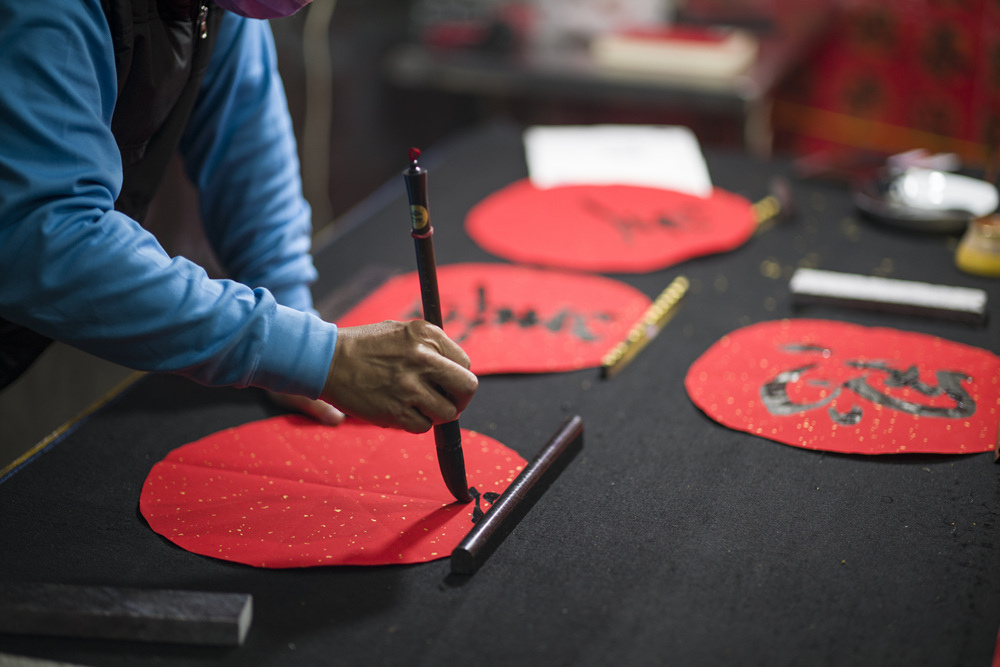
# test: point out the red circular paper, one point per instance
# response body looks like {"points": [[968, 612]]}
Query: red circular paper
{"points": [[727, 382], [608, 228], [516, 319], [289, 492]]}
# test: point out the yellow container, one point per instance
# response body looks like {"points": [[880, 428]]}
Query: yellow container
{"points": [[979, 250]]}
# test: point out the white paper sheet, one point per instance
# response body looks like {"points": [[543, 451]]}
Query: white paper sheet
{"points": [[667, 157]]}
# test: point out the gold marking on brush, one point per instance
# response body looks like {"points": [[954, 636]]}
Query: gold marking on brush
{"points": [[646, 329]]}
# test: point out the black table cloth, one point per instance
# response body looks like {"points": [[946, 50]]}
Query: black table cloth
{"points": [[668, 540]]}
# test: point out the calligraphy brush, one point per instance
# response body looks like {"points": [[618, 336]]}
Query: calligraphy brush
{"points": [[447, 437]]}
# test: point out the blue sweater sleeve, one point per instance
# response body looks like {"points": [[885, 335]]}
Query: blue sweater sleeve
{"points": [[74, 269], [240, 153]]}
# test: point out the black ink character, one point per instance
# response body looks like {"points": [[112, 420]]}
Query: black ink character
{"points": [[477, 512], [630, 225], [577, 323], [774, 393]]}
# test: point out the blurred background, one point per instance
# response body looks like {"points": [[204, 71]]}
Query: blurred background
{"points": [[834, 85]]}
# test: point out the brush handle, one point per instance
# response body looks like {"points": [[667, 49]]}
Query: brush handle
{"points": [[423, 233], [427, 273], [447, 437], [416, 191]]}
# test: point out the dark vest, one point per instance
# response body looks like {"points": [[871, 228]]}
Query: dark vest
{"points": [[161, 51]]}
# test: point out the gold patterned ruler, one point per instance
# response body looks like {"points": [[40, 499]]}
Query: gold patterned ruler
{"points": [[646, 329]]}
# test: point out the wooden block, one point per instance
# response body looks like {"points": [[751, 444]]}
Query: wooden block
{"points": [[104, 612]]}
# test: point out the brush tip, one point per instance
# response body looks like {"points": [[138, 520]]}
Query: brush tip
{"points": [[414, 154]]}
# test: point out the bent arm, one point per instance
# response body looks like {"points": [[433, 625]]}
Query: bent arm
{"points": [[76, 270]]}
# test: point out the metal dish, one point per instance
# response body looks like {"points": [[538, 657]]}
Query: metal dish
{"points": [[925, 200]]}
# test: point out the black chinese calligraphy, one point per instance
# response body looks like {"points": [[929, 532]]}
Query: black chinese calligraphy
{"points": [[478, 512], [462, 325], [630, 225], [775, 394]]}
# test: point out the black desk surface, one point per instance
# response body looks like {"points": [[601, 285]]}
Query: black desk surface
{"points": [[669, 539]]}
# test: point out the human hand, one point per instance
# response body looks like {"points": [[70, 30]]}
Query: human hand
{"points": [[319, 410], [406, 375]]}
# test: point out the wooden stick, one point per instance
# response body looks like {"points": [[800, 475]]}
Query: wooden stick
{"points": [[519, 497]]}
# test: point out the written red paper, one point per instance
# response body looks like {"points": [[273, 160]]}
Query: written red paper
{"points": [[841, 387], [609, 228]]}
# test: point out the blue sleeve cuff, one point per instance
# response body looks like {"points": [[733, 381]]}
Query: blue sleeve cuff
{"points": [[297, 353]]}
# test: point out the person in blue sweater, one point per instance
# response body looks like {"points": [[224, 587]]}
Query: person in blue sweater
{"points": [[96, 96]]}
